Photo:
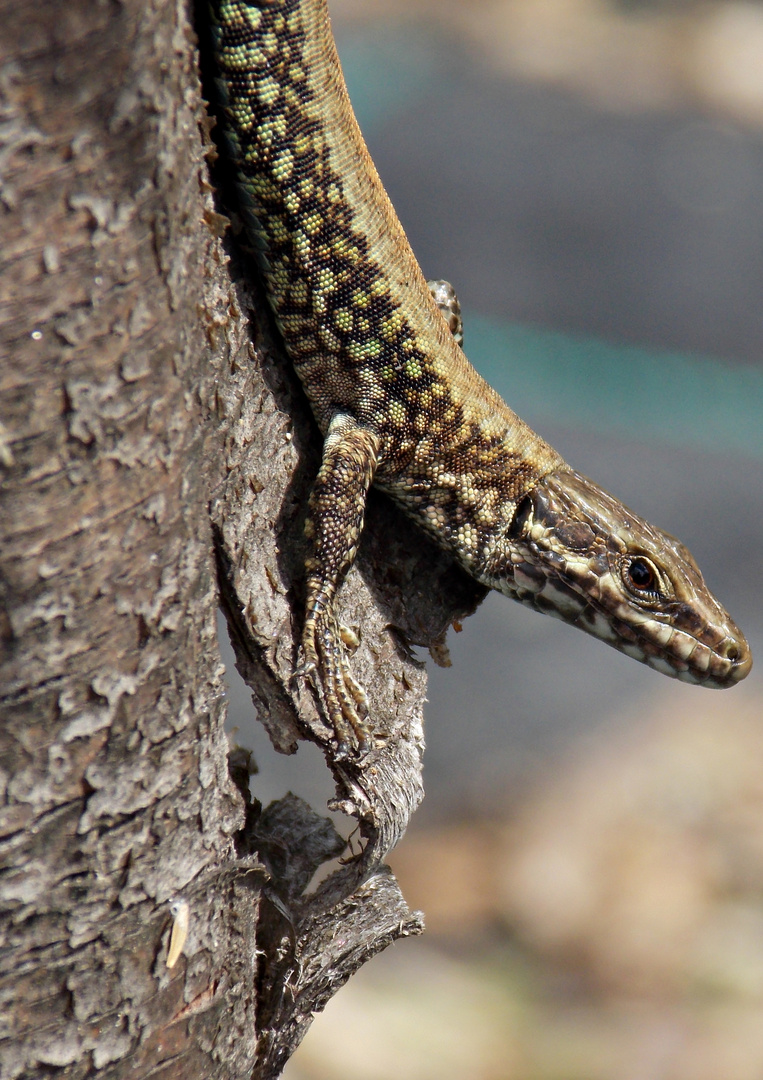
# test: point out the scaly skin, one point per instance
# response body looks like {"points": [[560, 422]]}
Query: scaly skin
{"points": [[399, 404]]}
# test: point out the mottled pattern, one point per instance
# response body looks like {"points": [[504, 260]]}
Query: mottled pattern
{"points": [[401, 406], [357, 317]]}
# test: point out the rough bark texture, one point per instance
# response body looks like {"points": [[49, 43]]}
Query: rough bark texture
{"points": [[145, 443], [117, 792]]}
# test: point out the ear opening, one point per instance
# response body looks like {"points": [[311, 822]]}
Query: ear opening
{"points": [[522, 515]]}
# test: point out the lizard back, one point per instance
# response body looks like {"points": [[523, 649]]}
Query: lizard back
{"points": [[356, 314]]}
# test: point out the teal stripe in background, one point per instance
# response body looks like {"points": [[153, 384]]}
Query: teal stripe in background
{"points": [[679, 398], [386, 68]]}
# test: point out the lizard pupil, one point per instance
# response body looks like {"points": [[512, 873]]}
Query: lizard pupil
{"points": [[641, 574]]}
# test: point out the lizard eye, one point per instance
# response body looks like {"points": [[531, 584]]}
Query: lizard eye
{"points": [[640, 575]]}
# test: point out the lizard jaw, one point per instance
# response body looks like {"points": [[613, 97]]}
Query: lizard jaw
{"points": [[573, 552]]}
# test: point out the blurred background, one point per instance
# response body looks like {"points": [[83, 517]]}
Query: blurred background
{"points": [[588, 174]]}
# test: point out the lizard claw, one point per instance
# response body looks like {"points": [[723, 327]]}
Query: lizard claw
{"points": [[327, 667], [306, 670]]}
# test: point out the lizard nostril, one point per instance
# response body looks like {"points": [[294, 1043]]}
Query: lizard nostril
{"points": [[732, 652]]}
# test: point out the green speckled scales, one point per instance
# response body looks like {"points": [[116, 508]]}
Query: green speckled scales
{"points": [[399, 404], [357, 317]]}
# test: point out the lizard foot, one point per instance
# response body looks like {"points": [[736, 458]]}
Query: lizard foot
{"points": [[327, 666]]}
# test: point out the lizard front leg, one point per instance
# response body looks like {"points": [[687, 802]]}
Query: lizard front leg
{"points": [[444, 295], [333, 528]]}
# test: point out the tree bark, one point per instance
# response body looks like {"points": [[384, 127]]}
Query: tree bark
{"points": [[153, 441]]}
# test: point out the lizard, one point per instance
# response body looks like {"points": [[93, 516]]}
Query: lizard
{"points": [[398, 403]]}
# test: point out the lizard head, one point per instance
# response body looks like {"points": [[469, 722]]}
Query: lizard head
{"points": [[575, 552]]}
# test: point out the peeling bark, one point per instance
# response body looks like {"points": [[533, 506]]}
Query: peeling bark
{"points": [[152, 436]]}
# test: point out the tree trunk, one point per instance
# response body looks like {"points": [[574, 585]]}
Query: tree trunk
{"points": [[147, 447]]}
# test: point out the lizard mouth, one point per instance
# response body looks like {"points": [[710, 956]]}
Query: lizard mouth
{"points": [[717, 658]]}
